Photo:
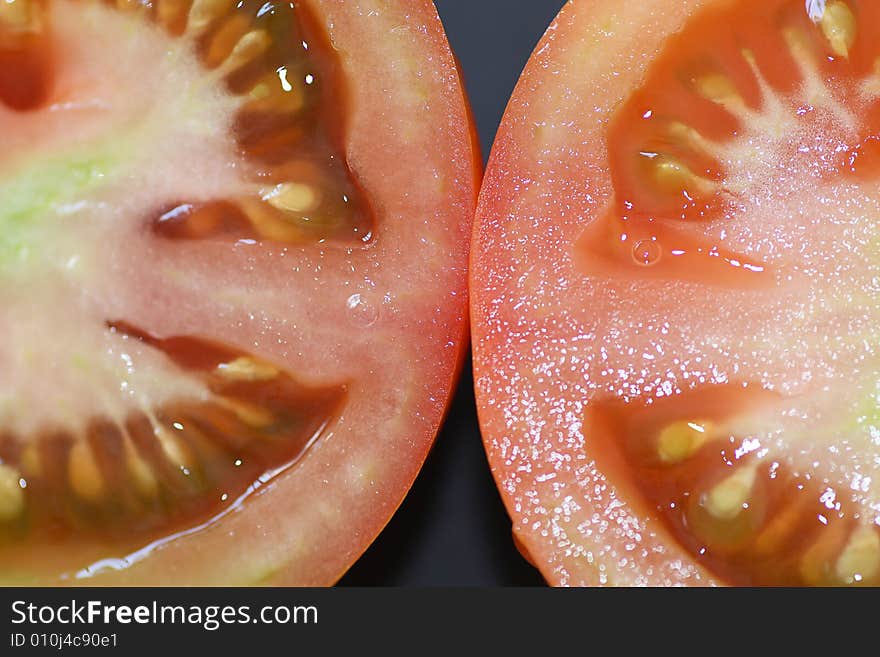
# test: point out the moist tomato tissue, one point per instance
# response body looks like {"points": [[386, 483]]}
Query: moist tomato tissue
{"points": [[674, 295], [230, 268]]}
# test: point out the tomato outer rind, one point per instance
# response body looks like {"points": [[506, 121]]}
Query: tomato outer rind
{"points": [[547, 177], [455, 136]]}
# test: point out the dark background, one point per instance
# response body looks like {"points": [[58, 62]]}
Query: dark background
{"points": [[452, 529]]}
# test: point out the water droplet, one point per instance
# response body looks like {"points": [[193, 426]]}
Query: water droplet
{"points": [[362, 311], [646, 252]]}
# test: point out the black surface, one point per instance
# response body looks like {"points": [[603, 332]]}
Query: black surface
{"points": [[452, 529]]}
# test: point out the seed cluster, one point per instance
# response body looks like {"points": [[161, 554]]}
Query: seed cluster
{"points": [[155, 469], [708, 133]]}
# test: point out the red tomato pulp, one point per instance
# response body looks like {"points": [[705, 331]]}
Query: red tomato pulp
{"points": [[674, 292], [232, 274]]}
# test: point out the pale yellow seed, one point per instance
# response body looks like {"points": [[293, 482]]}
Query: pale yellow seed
{"points": [[11, 493], [250, 414], [268, 223], [719, 89], [685, 134], [673, 175], [839, 26], [292, 197], [261, 90], [249, 47], [681, 440], [817, 562], [729, 498], [797, 44], [247, 369], [173, 447], [224, 38], [140, 472], [276, 92], [167, 11], [860, 559], [84, 473], [204, 12], [265, 98]]}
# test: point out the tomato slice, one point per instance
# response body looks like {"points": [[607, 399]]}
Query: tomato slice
{"points": [[234, 237], [673, 294]]}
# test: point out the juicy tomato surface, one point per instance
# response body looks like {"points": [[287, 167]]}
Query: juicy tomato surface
{"points": [[233, 244], [674, 295]]}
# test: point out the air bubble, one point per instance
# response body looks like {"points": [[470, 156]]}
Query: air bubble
{"points": [[362, 311], [646, 252]]}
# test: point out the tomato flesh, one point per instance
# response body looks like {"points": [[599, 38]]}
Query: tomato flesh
{"points": [[674, 294], [222, 365]]}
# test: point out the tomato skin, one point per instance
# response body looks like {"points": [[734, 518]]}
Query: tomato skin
{"points": [[546, 177], [410, 141], [441, 363]]}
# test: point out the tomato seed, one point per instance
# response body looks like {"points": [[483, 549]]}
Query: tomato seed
{"points": [[203, 13], [860, 559], [247, 369], [728, 499], [12, 494], [839, 26], [680, 440]]}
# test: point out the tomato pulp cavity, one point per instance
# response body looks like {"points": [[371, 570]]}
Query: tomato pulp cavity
{"points": [[675, 293]]}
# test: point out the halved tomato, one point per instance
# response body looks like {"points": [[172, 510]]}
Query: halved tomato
{"points": [[233, 239], [675, 292]]}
